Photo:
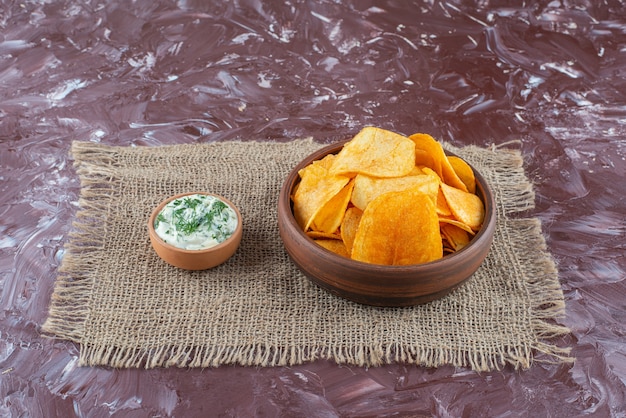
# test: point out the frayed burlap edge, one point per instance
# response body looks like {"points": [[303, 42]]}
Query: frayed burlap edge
{"points": [[70, 298], [528, 246]]}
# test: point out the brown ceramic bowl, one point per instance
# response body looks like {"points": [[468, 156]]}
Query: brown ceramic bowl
{"points": [[195, 259], [380, 285]]}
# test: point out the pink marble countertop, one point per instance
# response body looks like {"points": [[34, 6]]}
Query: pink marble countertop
{"points": [[551, 74]]}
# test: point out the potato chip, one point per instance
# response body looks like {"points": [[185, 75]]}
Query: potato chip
{"points": [[329, 217], [415, 171], [316, 188], [389, 199], [367, 188], [323, 164], [398, 228], [464, 172], [294, 190], [323, 235], [334, 245], [442, 205], [375, 152], [457, 238], [430, 153], [458, 224], [350, 225], [446, 248], [327, 161], [466, 207]]}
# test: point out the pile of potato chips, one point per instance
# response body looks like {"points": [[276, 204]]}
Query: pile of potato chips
{"points": [[389, 199]]}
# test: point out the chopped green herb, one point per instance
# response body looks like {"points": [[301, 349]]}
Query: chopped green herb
{"points": [[197, 218], [160, 218]]}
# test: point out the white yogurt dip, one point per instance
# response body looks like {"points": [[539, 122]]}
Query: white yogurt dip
{"points": [[195, 222]]}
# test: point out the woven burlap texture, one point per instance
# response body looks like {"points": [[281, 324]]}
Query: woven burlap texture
{"points": [[126, 308]]}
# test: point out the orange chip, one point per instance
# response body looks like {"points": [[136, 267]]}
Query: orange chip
{"points": [[430, 153], [322, 235], [334, 245], [461, 225], [350, 225], [416, 171], [329, 217], [456, 237], [466, 207], [442, 205], [375, 152], [389, 199], [398, 228], [464, 171], [327, 161], [294, 190], [323, 164], [316, 188], [367, 188]]}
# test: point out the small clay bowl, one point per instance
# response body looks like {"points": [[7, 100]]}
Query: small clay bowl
{"points": [[379, 285], [195, 259]]}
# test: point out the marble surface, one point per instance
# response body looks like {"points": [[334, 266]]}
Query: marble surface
{"points": [[551, 74]]}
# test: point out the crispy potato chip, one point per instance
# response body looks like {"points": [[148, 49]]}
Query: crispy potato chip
{"points": [[367, 188], [430, 153], [375, 152], [294, 190], [398, 228], [447, 247], [320, 165], [350, 225], [466, 207], [316, 188], [416, 171], [455, 236], [334, 245], [389, 199], [328, 219], [452, 221], [464, 171], [323, 164], [322, 235], [430, 172], [442, 205], [327, 161]]}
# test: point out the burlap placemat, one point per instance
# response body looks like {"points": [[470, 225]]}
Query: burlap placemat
{"points": [[127, 308]]}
